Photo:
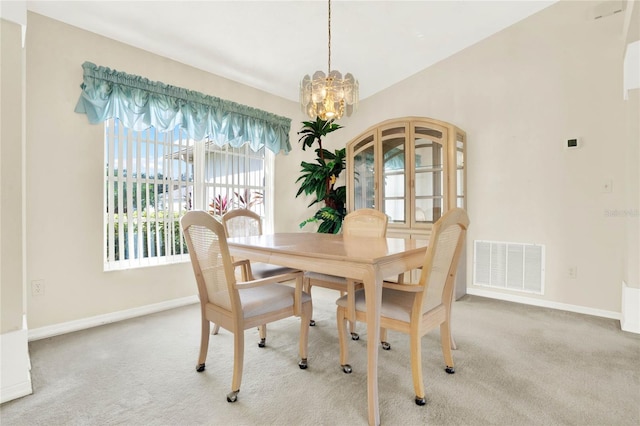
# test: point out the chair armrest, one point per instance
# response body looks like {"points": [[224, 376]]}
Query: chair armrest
{"points": [[245, 264], [269, 280], [411, 288]]}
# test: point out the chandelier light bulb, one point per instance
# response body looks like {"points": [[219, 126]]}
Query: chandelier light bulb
{"points": [[329, 96]]}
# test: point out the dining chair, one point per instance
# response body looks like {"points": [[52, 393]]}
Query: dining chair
{"points": [[238, 305], [416, 309], [247, 223], [361, 223]]}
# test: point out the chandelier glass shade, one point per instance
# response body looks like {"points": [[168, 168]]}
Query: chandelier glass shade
{"points": [[329, 96]]}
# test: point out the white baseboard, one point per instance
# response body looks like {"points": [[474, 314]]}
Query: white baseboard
{"points": [[543, 303], [630, 320], [84, 323], [15, 366]]}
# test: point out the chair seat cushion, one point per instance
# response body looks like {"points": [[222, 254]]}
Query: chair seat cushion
{"points": [[266, 270], [396, 304], [268, 298]]}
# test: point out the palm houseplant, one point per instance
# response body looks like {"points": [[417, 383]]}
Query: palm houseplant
{"points": [[318, 179]]}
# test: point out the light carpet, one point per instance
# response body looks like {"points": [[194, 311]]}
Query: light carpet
{"points": [[515, 365]]}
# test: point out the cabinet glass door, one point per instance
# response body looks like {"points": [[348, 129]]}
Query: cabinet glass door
{"points": [[394, 174], [364, 174], [460, 172], [429, 174], [412, 169]]}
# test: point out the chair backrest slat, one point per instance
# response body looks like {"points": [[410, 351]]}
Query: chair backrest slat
{"points": [[210, 258], [365, 223], [242, 223], [441, 261]]}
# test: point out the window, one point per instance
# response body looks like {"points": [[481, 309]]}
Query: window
{"points": [[153, 178]]}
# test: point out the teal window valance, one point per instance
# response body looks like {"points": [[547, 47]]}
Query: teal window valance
{"points": [[139, 104]]}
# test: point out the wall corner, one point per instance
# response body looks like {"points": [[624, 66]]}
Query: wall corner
{"points": [[630, 320], [15, 365]]}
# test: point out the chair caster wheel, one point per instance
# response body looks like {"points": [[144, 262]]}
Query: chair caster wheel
{"points": [[312, 323], [355, 336], [233, 396], [200, 368], [347, 368], [386, 346], [421, 401], [450, 370], [303, 364], [262, 343]]}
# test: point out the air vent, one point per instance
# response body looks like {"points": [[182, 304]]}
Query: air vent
{"points": [[511, 266]]}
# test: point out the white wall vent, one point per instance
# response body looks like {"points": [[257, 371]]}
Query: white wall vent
{"points": [[511, 266]]}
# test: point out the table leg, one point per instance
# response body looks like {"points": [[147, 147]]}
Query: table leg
{"points": [[373, 293]]}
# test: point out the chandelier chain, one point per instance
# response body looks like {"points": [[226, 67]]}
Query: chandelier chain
{"points": [[329, 20]]}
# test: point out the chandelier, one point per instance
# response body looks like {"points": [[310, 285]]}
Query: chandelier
{"points": [[329, 96]]}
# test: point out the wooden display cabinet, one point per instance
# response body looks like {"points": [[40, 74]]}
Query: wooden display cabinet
{"points": [[413, 170]]}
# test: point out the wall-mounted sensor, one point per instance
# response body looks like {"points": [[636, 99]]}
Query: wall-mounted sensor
{"points": [[573, 143]]}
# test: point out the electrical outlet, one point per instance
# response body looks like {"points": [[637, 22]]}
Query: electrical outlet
{"points": [[572, 272], [37, 287]]}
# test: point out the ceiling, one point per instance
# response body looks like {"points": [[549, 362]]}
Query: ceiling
{"points": [[271, 45]]}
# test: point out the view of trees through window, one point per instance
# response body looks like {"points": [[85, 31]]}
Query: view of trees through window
{"points": [[153, 178]]}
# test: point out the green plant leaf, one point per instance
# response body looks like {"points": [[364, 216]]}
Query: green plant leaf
{"points": [[313, 131], [317, 178]]}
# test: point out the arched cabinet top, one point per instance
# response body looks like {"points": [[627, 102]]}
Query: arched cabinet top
{"points": [[411, 168]]}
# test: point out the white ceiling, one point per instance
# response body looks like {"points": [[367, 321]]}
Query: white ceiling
{"points": [[271, 45]]}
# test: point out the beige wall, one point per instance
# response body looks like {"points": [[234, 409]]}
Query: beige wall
{"points": [[632, 258], [520, 95], [65, 171], [632, 204], [11, 272], [15, 377]]}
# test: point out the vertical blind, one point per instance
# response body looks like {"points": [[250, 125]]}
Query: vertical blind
{"points": [[149, 184]]}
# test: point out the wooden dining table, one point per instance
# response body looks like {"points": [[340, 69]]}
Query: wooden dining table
{"points": [[367, 259]]}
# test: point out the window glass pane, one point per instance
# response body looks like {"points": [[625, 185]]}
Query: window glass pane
{"points": [[436, 134], [234, 178], [363, 144], [364, 195], [147, 188], [429, 183], [460, 168], [394, 208], [428, 210], [394, 185], [429, 154], [394, 179], [149, 184]]}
